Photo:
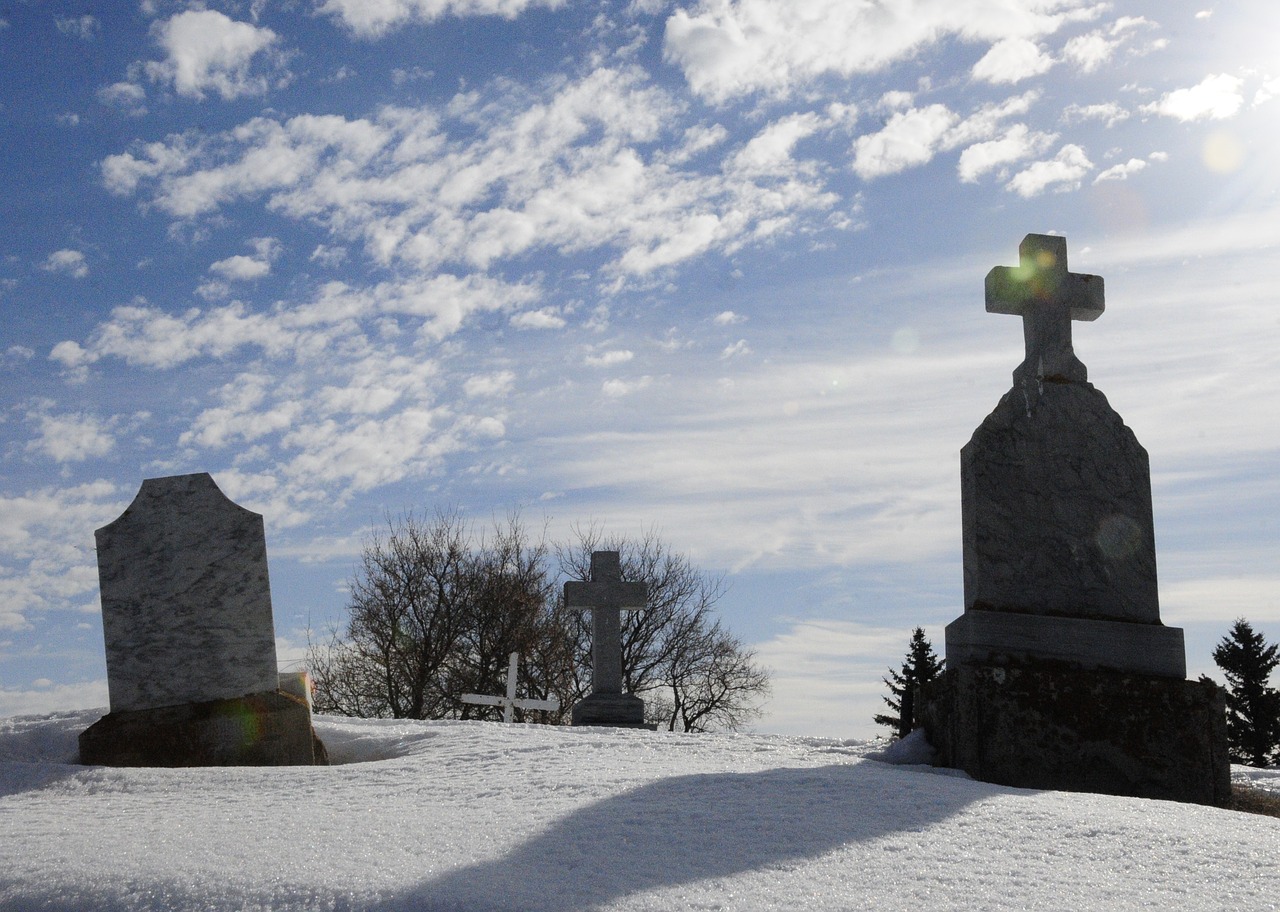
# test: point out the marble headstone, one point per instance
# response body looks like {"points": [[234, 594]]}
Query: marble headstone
{"points": [[186, 602], [606, 596], [1056, 497], [1059, 673], [190, 640]]}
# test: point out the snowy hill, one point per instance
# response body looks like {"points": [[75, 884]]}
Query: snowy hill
{"points": [[484, 816]]}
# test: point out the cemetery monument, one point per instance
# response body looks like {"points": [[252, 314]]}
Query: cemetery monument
{"points": [[190, 640], [606, 596], [1060, 674], [510, 703]]}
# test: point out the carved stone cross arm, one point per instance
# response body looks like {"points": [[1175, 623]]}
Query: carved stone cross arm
{"points": [[1047, 297]]}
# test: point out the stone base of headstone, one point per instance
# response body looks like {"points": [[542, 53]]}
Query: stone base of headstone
{"points": [[263, 729], [996, 637], [1041, 725], [613, 710]]}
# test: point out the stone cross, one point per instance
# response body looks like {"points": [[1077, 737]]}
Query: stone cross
{"points": [[1048, 298], [607, 596], [186, 602], [509, 703]]}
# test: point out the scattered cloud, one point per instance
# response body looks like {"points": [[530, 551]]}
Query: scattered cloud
{"points": [[1012, 60], [736, 350], [83, 27], [544, 318], [1214, 98], [1121, 171], [242, 268], [1108, 111], [731, 48], [728, 318], [375, 19], [68, 262], [498, 384], [208, 51], [72, 437], [1018, 143], [1062, 172], [127, 95], [609, 358], [616, 389]]}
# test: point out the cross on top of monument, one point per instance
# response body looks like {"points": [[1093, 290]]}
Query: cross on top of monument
{"points": [[509, 703], [606, 595], [1048, 298]]}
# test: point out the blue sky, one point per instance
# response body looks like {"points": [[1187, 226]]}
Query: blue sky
{"points": [[710, 267]]}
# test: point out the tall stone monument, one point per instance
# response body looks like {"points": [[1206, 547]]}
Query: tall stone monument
{"points": [[190, 640], [606, 596], [1059, 673]]}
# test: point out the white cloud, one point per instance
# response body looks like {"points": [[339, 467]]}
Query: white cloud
{"points": [[729, 48], [498, 384], [71, 437], [244, 268], [208, 51], [728, 318], [616, 389], [609, 358], [566, 171], [545, 318], [374, 18], [70, 262], [1108, 111], [1121, 171], [83, 27], [127, 95], [1090, 51], [47, 697], [736, 350], [910, 138], [1063, 172], [1017, 144], [1012, 60], [46, 549], [1214, 98]]}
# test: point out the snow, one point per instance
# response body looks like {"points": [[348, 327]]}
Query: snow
{"points": [[485, 816]]}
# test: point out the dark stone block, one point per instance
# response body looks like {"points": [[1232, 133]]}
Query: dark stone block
{"points": [[613, 710], [1056, 509], [1044, 726], [263, 729]]}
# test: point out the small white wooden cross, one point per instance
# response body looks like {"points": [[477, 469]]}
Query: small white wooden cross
{"points": [[509, 703]]}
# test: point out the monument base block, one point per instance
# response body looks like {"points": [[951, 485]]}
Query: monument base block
{"points": [[1043, 726], [613, 710], [263, 729], [994, 637]]}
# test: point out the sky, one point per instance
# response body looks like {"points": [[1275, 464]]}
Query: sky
{"points": [[711, 268]]}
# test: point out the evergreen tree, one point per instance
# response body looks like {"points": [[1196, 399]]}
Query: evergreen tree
{"points": [[1253, 707], [920, 667]]}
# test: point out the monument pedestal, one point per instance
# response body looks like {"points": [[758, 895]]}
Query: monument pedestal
{"points": [[263, 729], [996, 638], [612, 710], [1110, 732]]}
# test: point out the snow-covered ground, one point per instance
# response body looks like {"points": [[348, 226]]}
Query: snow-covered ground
{"points": [[485, 816]]}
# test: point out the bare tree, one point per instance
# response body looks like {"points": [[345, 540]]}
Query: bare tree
{"points": [[692, 674], [433, 615]]}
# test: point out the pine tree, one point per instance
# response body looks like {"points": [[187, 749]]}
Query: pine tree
{"points": [[1253, 707], [920, 667]]}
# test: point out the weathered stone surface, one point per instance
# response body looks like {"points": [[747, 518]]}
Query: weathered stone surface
{"points": [[996, 638], [1040, 725], [1056, 509], [267, 729], [186, 602], [613, 710]]}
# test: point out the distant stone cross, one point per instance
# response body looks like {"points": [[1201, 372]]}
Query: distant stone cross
{"points": [[509, 703], [1048, 298], [607, 596]]}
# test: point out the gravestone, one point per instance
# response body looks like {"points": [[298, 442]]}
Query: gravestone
{"points": [[190, 641], [606, 596], [510, 703], [1060, 673]]}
